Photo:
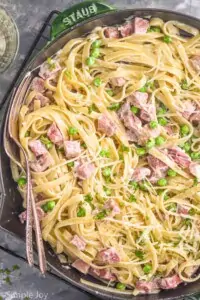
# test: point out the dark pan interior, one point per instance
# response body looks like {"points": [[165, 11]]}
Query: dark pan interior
{"points": [[10, 198]]}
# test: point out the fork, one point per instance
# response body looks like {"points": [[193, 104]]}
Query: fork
{"points": [[11, 134]]}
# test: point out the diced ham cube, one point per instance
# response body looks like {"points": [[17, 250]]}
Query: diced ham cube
{"points": [[131, 121], [195, 62], [147, 287], [111, 32], [140, 174], [183, 210], [138, 99], [194, 169], [55, 135], [78, 242], [126, 29], [195, 119], [179, 156], [47, 69], [140, 25], [169, 282], [41, 163], [81, 266], [159, 168], [72, 149], [117, 81], [189, 108], [37, 147], [148, 113], [43, 101], [37, 85], [103, 273], [112, 205], [23, 216], [105, 125], [84, 171], [132, 136], [109, 256]]}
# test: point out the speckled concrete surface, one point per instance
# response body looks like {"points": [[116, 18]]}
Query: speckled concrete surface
{"points": [[29, 16]]}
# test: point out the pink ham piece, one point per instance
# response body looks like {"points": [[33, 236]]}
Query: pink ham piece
{"points": [[126, 29], [37, 147], [194, 169], [159, 168], [47, 70], [140, 25], [103, 273], [111, 33], [138, 99], [72, 149], [108, 256], [183, 210], [84, 171], [147, 287], [169, 282], [195, 62], [195, 119], [132, 136], [189, 108], [140, 174], [37, 85], [43, 101], [23, 216], [131, 121], [148, 113], [117, 81], [81, 266], [112, 205], [179, 156], [55, 135], [78, 242], [106, 126], [41, 163]]}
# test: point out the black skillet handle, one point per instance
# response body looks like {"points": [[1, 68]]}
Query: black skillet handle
{"points": [[77, 14]]}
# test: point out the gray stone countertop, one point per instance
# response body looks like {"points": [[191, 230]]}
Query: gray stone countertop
{"points": [[29, 15]]}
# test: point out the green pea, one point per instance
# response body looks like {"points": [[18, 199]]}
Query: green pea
{"points": [[107, 191], [195, 155], [184, 84], [90, 61], [192, 212], [104, 153], [187, 147], [51, 205], [124, 148], [140, 151], [133, 184], [162, 121], [88, 198], [171, 173], [101, 215], [143, 89], [96, 44], [46, 142], [153, 124], [95, 53], [162, 110], [70, 164], [97, 81], [72, 131], [167, 39], [154, 29], [120, 286], [132, 198], [111, 93], [147, 268], [139, 254], [135, 109], [162, 182], [22, 181], [107, 172], [114, 106], [185, 129], [144, 186], [160, 140], [81, 212], [150, 143]]}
